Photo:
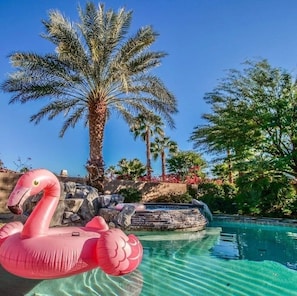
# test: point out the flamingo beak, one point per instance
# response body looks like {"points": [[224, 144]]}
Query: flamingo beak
{"points": [[15, 210], [17, 198]]}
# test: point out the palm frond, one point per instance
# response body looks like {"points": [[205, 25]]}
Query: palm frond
{"points": [[72, 120]]}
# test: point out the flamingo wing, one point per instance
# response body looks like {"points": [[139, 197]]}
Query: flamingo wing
{"points": [[117, 253]]}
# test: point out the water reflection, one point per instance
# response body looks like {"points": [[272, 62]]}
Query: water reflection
{"points": [[257, 243], [94, 282], [227, 247]]}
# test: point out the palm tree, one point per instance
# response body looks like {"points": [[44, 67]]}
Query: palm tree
{"points": [[145, 126], [130, 169], [158, 148], [96, 70]]}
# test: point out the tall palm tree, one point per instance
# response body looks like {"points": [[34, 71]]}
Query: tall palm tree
{"points": [[159, 147], [96, 70], [145, 126]]}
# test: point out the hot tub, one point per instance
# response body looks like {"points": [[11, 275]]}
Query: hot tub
{"points": [[158, 217]]}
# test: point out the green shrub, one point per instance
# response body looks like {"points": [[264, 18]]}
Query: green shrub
{"points": [[130, 194], [192, 190], [219, 198], [173, 198], [266, 195]]}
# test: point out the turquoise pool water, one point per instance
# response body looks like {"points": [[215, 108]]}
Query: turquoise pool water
{"points": [[226, 259]]}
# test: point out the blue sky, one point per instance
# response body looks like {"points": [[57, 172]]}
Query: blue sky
{"points": [[203, 38]]}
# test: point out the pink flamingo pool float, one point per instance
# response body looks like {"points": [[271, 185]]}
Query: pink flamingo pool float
{"points": [[35, 251]]}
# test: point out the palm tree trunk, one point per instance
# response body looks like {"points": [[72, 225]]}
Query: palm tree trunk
{"points": [[163, 164], [95, 165], [148, 154]]}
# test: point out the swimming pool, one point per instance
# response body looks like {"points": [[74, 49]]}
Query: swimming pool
{"points": [[225, 259]]}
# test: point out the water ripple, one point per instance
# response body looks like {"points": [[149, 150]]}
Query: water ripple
{"points": [[181, 265]]}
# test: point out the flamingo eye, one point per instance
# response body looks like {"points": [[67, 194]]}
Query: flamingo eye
{"points": [[35, 183]]}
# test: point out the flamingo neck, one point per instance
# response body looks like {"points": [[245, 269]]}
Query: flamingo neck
{"points": [[39, 220]]}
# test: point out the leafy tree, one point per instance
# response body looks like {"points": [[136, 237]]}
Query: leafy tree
{"points": [[253, 114], [130, 169], [145, 126], [183, 162], [224, 171], [159, 147], [95, 70]]}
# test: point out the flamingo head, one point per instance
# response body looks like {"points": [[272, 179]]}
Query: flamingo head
{"points": [[29, 184]]}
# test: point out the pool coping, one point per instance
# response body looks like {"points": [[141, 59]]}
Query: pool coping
{"points": [[255, 220]]}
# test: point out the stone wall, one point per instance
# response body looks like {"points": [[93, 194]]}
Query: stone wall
{"points": [[7, 183], [149, 190]]}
